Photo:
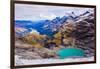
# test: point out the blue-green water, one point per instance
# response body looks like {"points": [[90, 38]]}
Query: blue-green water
{"points": [[70, 52]]}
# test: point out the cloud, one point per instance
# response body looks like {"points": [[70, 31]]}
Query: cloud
{"points": [[47, 16], [41, 12]]}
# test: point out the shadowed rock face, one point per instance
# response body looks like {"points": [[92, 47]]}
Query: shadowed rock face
{"points": [[82, 31], [85, 34]]}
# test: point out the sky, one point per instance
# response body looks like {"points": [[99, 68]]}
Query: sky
{"points": [[42, 12]]}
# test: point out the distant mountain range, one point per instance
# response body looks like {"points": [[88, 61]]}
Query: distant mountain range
{"points": [[47, 27]]}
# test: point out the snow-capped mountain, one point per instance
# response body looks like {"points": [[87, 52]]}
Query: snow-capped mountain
{"points": [[47, 27]]}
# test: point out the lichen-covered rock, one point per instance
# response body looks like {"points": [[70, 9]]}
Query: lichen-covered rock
{"points": [[85, 35], [30, 55], [46, 53]]}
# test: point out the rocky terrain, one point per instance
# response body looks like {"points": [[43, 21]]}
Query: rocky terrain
{"points": [[73, 32]]}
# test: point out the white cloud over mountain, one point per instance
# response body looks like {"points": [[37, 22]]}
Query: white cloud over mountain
{"points": [[41, 12]]}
